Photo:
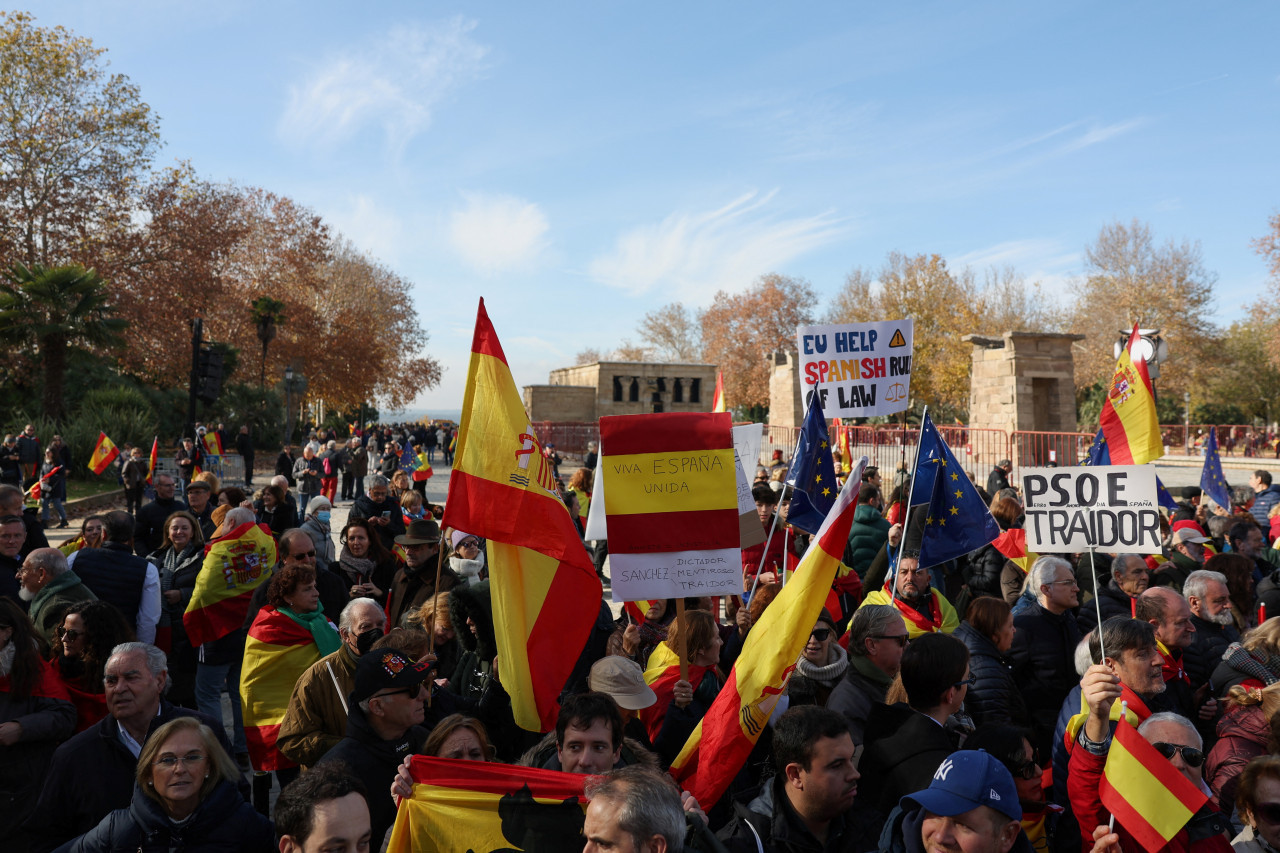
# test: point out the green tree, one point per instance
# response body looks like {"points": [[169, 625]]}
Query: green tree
{"points": [[75, 142], [49, 310]]}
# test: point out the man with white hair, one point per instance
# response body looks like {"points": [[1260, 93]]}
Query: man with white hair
{"points": [[51, 588], [1130, 577], [316, 718], [1210, 602], [1044, 644]]}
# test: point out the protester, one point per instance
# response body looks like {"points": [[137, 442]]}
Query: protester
{"points": [[363, 564], [316, 718], [270, 509], [923, 609], [820, 667], [81, 648], [53, 489], [381, 510], [149, 529], [179, 560], [1044, 645], [1253, 662], [869, 532], [877, 638], [1244, 732], [459, 737], [468, 557], [633, 808], [1209, 599], [1169, 614], [767, 558], [433, 618], [116, 575], [199, 505], [319, 511], [1130, 577], [1012, 748], [988, 634], [185, 799], [681, 704], [984, 573], [49, 588], [638, 641], [92, 531], [35, 715], [306, 473], [325, 809], [1258, 804], [415, 582]]}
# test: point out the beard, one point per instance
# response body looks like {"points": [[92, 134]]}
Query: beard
{"points": [[26, 594], [1223, 618]]}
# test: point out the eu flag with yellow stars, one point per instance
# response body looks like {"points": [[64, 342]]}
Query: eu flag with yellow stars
{"points": [[1211, 480], [957, 521], [812, 473]]}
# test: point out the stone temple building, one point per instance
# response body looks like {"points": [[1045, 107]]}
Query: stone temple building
{"points": [[585, 392]]}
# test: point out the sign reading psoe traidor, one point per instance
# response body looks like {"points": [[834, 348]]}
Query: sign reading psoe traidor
{"points": [[1111, 508]]}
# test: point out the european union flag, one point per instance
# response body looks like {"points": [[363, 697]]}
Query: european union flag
{"points": [[1211, 480], [957, 521], [813, 473], [408, 460], [1098, 452]]}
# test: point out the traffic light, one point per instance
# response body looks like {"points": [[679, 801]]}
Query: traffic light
{"points": [[209, 373]]}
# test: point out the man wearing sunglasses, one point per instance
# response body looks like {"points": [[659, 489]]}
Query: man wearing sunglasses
{"points": [[1173, 736], [877, 638], [384, 726]]}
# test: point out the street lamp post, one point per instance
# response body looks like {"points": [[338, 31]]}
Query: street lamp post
{"points": [[1186, 414], [288, 401]]}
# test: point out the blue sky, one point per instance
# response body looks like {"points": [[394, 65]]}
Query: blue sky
{"points": [[579, 164]]}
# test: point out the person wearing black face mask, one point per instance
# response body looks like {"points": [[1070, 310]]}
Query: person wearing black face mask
{"points": [[316, 718]]}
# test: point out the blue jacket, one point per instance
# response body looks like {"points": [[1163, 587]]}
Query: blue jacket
{"points": [[1263, 501]]}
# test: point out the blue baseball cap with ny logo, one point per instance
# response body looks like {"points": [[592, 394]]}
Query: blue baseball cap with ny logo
{"points": [[965, 780]]}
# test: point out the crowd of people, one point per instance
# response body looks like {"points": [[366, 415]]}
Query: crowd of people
{"points": [[975, 699]]}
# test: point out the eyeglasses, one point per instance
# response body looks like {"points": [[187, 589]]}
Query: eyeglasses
{"points": [[1067, 582], [411, 691], [1192, 756], [1269, 812], [900, 639], [169, 762], [69, 633], [820, 634], [468, 543], [1027, 770], [968, 682]]}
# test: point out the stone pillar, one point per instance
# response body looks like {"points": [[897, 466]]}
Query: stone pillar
{"points": [[786, 408]]}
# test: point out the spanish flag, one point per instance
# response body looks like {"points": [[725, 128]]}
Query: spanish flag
{"points": [[546, 595], [212, 443], [1129, 704], [423, 471], [277, 652], [104, 453], [234, 566], [717, 402], [719, 746], [461, 806], [1150, 799], [1012, 543], [71, 546], [1128, 417], [846, 453], [661, 675], [637, 609], [155, 456]]}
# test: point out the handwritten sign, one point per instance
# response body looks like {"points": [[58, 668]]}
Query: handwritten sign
{"points": [[858, 369], [671, 506], [1109, 507]]}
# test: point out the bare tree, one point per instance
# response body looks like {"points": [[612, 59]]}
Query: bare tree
{"points": [[673, 333]]}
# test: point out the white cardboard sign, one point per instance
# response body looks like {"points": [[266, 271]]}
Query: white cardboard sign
{"points": [[1112, 508], [858, 369]]}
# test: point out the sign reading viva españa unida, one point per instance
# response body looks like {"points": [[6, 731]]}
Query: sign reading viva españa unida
{"points": [[859, 369], [1109, 507], [671, 505]]}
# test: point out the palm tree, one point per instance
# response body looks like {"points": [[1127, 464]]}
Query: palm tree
{"points": [[267, 313], [49, 309]]}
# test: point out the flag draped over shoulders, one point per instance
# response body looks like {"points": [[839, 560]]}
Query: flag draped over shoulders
{"points": [[546, 595], [234, 566], [724, 738], [277, 652], [661, 675], [464, 806]]}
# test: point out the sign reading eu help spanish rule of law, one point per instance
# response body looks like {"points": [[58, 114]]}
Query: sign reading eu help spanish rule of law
{"points": [[1108, 507], [671, 505], [858, 369]]}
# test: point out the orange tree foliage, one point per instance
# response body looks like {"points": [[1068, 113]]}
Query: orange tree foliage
{"points": [[740, 330]]}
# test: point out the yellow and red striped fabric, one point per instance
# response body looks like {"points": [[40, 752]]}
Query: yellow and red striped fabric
{"points": [[717, 402], [1012, 543], [71, 546], [212, 443], [661, 674], [276, 653], [732, 726], [637, 609], [461, 806], [1145, 792], [1128, 418], [155, 456], [695, 447], [104, 453], [234, 566], [545, 592]]}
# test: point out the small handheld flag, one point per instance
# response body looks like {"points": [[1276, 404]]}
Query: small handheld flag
{"points": [[1149, 798], [155, 457], [813, 473], [1212, 481], [104, 453]]}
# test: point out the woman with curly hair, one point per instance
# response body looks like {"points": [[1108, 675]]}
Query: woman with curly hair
{"points": [[81, 646], [272, 510]]}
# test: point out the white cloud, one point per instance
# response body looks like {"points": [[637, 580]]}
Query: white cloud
{"points": [[372, 229], [692, 255], [495, 233], [393, 83]]}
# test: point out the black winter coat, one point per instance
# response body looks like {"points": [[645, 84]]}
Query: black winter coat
{"points": [[904, 750], [993, 697], [1044, 668], [1113, 601], [223, 822], [983, 576], [1204, 654]]}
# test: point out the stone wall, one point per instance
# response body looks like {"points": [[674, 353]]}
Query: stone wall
{"points": [[586, 392], [559, 403]]}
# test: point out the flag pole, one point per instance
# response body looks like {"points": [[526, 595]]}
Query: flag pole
{"points": [[911, 493], [785, 531], [1097, 603], [764, 556], [431, 637], [682, 638]]}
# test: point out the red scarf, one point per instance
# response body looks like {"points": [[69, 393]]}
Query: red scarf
{"points": [[928, 624], [1171, 666]]}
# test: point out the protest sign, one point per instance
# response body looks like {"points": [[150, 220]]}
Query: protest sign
{"points": [[746, 450], [859, 369], [1108, 507], [671, 505]]}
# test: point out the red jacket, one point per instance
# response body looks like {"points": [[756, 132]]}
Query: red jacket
{"points": [[1204, 833], [1242, 736]]}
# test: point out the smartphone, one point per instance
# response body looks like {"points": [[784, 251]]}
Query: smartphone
{"points": [[386, 513]]}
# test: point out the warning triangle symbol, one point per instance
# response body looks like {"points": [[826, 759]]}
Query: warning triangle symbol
{"points": [[897, 340]]}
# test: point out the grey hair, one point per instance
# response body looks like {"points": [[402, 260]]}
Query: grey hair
{"points": [[1198, 581], [157, 661], [1043, 569], [237, 516], [280, 480], [648, 801], [1121, 559], [378, 480], [1083, 658], [868, 621], [348, 615], [1171, 717], [53, 561]]}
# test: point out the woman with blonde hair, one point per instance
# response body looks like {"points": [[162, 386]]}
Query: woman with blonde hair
{"points": [[433, 618], [1253, 662], [459, 737], [1246, 730]]}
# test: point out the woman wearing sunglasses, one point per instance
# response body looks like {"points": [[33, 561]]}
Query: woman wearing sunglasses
{"points": [[185, 799], [1011, 746], [81, 646], [1258, 803], [821, 665]]}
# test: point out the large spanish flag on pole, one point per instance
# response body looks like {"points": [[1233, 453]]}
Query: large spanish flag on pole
{"points": [[104, 453], [719, 746], [234, 566], [460, 806], [717, 402], [1128, 418], [546, 595], [1145, 792]]}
